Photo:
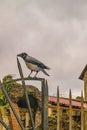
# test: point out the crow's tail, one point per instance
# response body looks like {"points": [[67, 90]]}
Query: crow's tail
{"points": [[45, 72], [47, 68]]}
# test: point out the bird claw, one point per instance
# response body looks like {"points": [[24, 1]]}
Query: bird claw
{"points": [[29, 76], [32, 77]]}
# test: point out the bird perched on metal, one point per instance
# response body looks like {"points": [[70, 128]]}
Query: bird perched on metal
{"points": [[33, 64]]}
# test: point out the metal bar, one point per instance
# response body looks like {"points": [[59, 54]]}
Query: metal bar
{"points": [[82, 118], [26, 94], [70, 110], [52, 106], [44, 105], [43, 84], [10, 103], [4, 124], [58, 105], [26, 78], [46, 99]]}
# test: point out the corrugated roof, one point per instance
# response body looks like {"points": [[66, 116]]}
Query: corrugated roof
{"points": [[66, 101]]}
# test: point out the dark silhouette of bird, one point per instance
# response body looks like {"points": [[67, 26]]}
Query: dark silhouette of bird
{"points": [[33, 64]]}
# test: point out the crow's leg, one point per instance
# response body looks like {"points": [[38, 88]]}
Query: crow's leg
{"points": [[30, 73], [35, 74]]}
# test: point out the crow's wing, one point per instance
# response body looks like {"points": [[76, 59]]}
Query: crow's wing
{"points": [[36, 62]]}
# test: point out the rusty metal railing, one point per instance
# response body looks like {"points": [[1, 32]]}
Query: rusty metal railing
{"points": [[44, 87], [69, 110], [4, 124]]}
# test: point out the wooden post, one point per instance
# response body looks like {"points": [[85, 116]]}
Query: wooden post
{"points": [[82, 117], [70, 110], [58, 117]]}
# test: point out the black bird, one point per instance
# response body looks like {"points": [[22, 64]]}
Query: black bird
{"points": [[33, 64]]}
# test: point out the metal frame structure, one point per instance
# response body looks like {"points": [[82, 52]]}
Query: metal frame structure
{"points": [[70, 109], [44, 88]]}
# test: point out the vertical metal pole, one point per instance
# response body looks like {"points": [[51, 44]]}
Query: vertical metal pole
{"points": [[44, 105], [43, 85], [58, 117], [82, 118], [10, 103], [46, 98], [4, 124], [70, 110], [25, 92]]}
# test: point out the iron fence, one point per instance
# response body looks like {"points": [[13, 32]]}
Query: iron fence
{"points": [[44, 91], [70, 109], [44, 88]]}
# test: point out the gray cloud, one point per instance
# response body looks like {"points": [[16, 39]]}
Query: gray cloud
{"points": [[54, 32]]}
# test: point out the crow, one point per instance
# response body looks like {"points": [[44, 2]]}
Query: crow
{"points": [[33, 64]]}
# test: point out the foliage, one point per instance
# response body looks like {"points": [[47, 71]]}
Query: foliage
{"points": [[64, 121], [5, 109], [52, 122], [8, 87]]}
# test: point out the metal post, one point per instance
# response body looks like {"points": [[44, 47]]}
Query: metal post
{"points": [[82, 119], [10, 103], [70, 110], [58, 117], [25, 92], [46, 98], [44, 105]]}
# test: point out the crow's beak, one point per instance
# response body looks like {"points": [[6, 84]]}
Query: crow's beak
{"points": [[19, 55]]}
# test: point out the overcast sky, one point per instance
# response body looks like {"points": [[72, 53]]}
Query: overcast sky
{"points": [[52, 31]]}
